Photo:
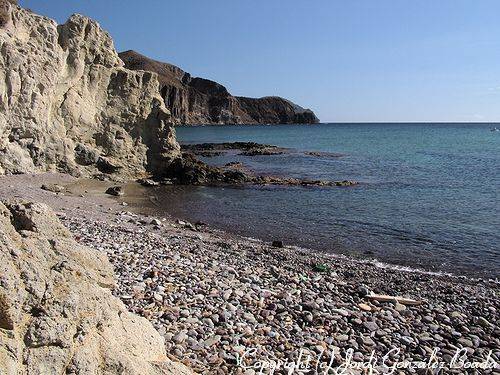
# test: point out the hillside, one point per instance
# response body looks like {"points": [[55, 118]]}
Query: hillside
{"points": [[193, 100]]}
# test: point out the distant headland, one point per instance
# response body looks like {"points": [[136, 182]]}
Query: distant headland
{"points": [[193, 100]]}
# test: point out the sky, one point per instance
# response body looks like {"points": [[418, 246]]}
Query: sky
{"points": [[349, 61]]}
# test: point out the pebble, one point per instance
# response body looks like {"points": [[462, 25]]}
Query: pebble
{"points": [[371, 326], [180, 337], [211, 294], [364, 307]]}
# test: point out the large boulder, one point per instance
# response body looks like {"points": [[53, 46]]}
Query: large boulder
{"points": [[67, 103], [57, 313]]}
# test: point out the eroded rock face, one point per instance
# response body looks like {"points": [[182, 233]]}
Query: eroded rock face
{"points": [[57, 314], [201, 101], [68, 104]]}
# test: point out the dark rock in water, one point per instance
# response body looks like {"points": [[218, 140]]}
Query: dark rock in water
{"points": [[270, 180], [209, 154], [324, 154], [277, 243], [234, 164], [260, 151], [235, 176], [225, 146], [53, 188], [189, 170], [345, 183], [115, 190], [148, 182], [201, 101]]}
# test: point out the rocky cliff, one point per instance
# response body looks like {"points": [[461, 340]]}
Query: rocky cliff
{"points": [[68, 104], [57, 313], [201, 101]]}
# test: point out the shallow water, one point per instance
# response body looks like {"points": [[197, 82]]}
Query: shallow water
{"points": [[428, 198]]}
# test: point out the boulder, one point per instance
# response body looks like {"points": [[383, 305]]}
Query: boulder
{"points": [[57, 313], [115, 190], [54, 188]]}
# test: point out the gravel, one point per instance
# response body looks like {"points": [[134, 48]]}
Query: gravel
{"points": [[213, 296]]}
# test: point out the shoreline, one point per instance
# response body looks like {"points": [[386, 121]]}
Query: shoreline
{"points": [[138, 206], [212, 294], [144, 200]]}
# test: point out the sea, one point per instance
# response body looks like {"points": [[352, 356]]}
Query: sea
{"points": [[428, 193]]}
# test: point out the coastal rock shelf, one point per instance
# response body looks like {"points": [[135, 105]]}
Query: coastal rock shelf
{"points": [[193, 171], [188, 170]]}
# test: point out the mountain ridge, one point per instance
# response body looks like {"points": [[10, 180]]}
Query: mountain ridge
{"points": [[196, 100]]}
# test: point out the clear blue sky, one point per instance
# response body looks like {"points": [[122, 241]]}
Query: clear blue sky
{"points": [[350, 60]]}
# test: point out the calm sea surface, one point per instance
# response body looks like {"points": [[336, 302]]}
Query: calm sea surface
{"points": [[429, 196]]}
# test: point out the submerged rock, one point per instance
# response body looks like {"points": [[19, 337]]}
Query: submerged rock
{"points": [[57, 313]]}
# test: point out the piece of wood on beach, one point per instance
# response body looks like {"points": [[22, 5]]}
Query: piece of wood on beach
{"points": [[401, 300]]}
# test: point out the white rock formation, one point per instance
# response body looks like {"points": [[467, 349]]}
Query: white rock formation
{"points": [[67, 104], [57, 313]]}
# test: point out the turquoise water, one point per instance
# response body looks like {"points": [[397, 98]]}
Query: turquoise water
{"points": [[428, 198]]}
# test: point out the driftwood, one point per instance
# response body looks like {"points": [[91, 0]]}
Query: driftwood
{"points": [[401, 300]]}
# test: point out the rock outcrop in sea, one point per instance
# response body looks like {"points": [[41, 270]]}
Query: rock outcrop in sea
{"points": [[193, 100], [57, 313], [68, 104]]}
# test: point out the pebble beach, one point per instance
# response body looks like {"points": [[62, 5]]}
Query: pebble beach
{"points": [[226, 304]]}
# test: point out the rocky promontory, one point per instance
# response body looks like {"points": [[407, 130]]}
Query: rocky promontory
{"points": [[193, 100], [68, 104]]}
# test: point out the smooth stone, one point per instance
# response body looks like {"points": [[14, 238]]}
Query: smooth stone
{"points": [[364, 307], [371, 326]]}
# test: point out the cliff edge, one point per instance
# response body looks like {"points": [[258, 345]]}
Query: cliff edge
{"points": [[193, 100], [67, 103]]}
